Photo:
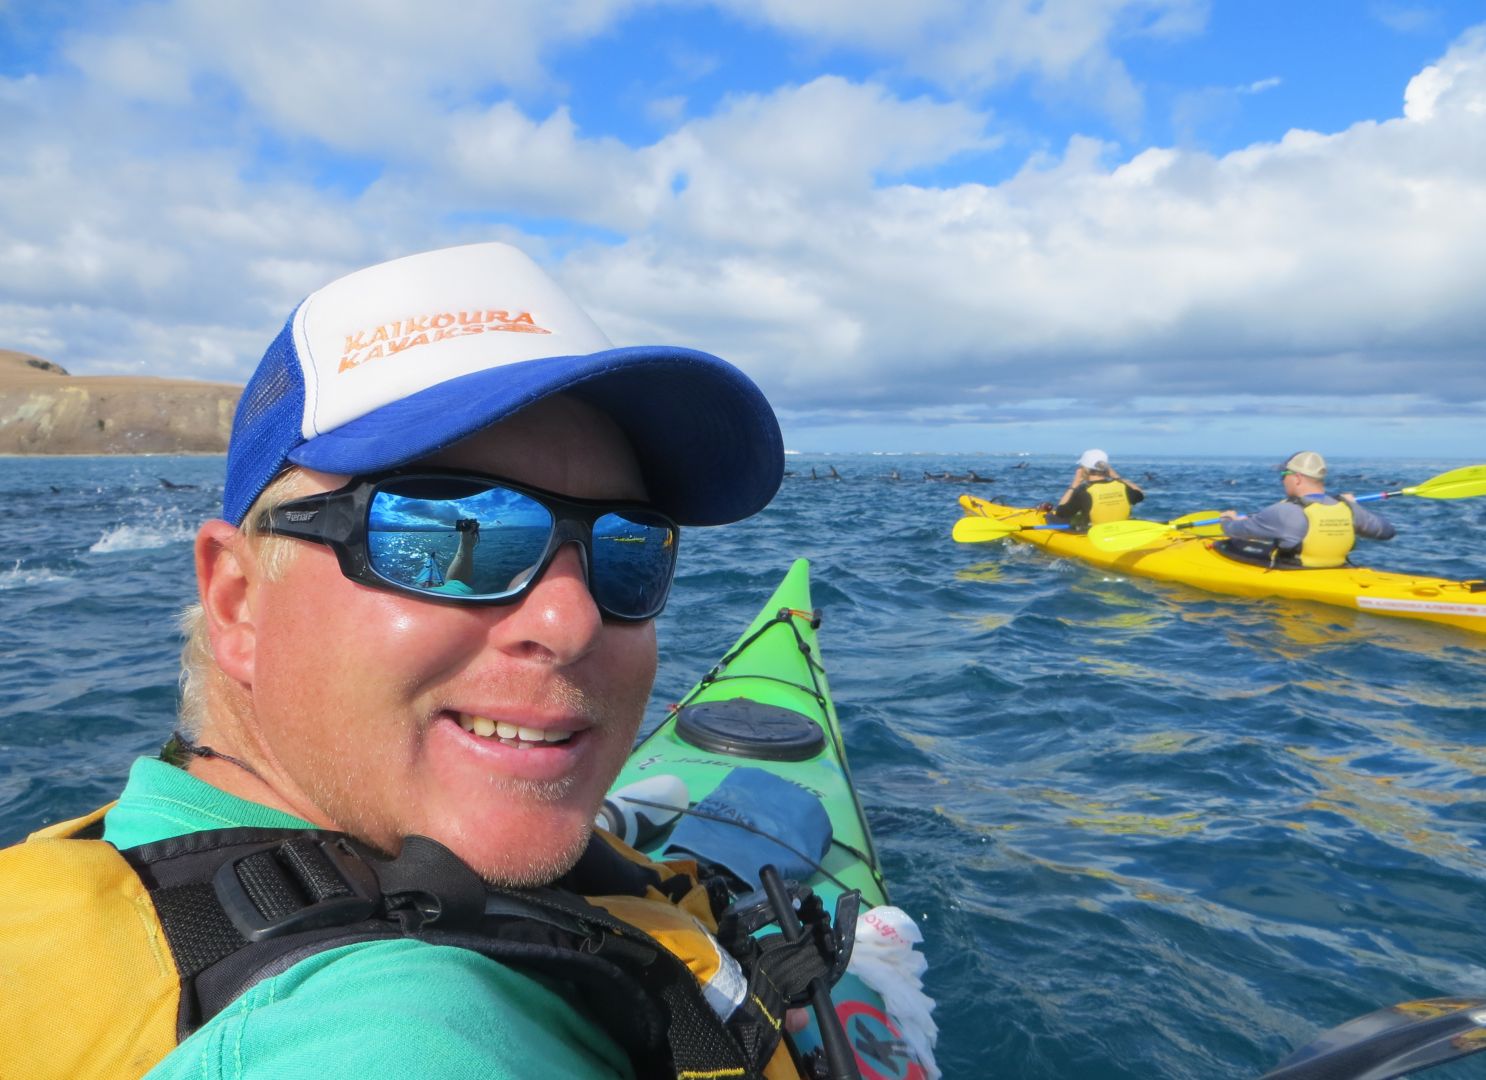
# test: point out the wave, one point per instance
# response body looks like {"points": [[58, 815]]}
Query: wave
{"points": [[17, 577], [141, 537]]}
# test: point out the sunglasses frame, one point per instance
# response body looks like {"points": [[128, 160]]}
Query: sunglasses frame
{"points": [[340, 520]]}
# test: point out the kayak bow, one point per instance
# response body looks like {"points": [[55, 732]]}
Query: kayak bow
{"points": [[766, 706]]}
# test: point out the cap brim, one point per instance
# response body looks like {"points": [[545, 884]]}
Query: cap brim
{"points": [[708, 443]]}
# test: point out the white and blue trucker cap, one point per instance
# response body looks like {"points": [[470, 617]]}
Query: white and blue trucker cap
{"points": [[394, 362]]}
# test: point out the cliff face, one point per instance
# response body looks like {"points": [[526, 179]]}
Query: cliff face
{"points": [[44, 410]]}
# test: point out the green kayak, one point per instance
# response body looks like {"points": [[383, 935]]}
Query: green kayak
{"points": [[762, 715]]}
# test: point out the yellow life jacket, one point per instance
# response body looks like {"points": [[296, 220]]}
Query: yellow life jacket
{"points": [[1108, 501], [1330, 534], [99, 961]]}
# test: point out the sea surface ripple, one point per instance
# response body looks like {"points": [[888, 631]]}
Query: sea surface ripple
{"points": [[1147, 831]]}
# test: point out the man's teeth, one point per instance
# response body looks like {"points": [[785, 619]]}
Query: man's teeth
{"points": [[517, 735]]}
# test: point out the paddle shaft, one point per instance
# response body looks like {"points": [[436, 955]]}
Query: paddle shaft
{"points": [[840, 1057]]}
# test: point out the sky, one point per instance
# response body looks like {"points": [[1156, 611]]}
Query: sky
{"points": [[1152, 226]]}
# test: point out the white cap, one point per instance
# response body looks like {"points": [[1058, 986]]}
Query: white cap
{"points": [[1307, 463], [396, 361], [1093, 459]]}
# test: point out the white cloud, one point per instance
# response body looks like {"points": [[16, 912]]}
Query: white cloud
{"points": [[1457, 83], [978, 44], [1337, 265], [369, 76], [1260, 85], [787, 230]]}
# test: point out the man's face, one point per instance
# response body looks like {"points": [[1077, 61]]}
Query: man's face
{"points": [[362, 699]]}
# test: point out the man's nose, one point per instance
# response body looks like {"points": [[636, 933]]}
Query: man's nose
{"points": [[557, 620]]}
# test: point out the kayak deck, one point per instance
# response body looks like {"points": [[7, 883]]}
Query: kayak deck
{"points": [[766, 705], [776, 663], [1191, 560]]}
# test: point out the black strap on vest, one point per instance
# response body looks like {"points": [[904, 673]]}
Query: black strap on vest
{"points": [[242, 905]]}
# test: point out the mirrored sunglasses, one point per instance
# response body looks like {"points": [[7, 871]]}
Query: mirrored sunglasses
{"points": [[467, 538]]}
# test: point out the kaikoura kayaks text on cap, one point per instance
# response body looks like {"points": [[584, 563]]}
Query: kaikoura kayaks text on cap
{"points": [[394, 362]]}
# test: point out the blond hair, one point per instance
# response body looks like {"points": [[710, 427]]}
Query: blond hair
{"points": [[198, 665]]}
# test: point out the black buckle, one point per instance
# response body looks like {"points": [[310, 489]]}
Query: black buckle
{"points": [[301, 884]]}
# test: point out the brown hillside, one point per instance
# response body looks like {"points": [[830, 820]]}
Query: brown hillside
{"points": [[44, 410]]}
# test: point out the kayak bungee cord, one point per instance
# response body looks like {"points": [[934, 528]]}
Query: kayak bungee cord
{"points": [[783, 615]]}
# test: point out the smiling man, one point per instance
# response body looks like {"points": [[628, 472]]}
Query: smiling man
{"points": [[453, 407]]}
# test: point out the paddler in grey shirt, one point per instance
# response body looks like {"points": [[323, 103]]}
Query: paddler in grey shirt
{"points": [[1308, 527]]}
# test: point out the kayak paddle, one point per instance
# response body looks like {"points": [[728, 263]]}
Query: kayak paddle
{"points": [[975, 530], [1466, 482], [1132, 534], [1391, 1042], [1201, 522], [1463, 483]]}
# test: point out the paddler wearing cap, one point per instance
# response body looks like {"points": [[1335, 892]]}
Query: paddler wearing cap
{"points": [[368, 850], [1096, 493], [1307, 528]]}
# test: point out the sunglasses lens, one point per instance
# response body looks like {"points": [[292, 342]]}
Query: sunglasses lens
{"points": [[633, 559], [469, 537], [456, 537]]}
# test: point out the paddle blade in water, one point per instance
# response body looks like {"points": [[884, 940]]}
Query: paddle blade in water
{"points": [[976, 530], [1462, 483], [1128, 535]]}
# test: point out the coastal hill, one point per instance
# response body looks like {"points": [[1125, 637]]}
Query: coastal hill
{"points": [[44, 410]]}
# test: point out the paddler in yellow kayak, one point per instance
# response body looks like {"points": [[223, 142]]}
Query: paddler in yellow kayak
{"points": [[1307, 528], [1096, 494]]}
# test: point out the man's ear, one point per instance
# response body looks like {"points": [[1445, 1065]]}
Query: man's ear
{"points": [[225, 574]]}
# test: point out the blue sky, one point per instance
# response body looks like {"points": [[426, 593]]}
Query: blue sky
{"points": [[1160, 226]]}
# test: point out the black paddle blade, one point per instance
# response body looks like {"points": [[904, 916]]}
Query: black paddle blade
{"points": [[1391, 1042]]}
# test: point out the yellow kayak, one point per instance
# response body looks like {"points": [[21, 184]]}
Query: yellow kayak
{"points": [[1191, 560]]}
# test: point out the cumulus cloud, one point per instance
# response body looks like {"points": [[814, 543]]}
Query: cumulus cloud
{"points": [[160, 206], [1340, 264], [1065, 45]]}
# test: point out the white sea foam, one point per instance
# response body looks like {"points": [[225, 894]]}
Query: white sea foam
{"points": [[141, 537], [18, 577]]}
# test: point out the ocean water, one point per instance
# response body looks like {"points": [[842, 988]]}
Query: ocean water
{"points": [[1148, 832]]}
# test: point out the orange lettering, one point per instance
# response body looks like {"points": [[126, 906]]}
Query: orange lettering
{"points": [[380, 335], [438, 322], [524, 317], [354, 343], [466, 318]]}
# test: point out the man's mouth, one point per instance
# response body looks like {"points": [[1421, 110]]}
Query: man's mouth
{"points": [[517, 736]]}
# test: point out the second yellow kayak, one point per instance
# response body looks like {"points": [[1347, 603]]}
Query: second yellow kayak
{"points": [[1191, 560]]}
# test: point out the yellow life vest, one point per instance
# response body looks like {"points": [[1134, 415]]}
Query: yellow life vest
{"points": [[1330, 534], [93, 986], [1108, 501]]}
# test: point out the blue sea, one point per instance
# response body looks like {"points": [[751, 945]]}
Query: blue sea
{"points": [[1148, 832]]}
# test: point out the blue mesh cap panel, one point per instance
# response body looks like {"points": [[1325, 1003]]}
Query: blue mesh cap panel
{"points": [[267, 425]]}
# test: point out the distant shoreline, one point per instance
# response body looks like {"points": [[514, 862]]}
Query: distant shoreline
{"points": [[118, 454]]}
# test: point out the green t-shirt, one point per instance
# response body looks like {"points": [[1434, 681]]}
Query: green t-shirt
{"points": [[383, 1008]]}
